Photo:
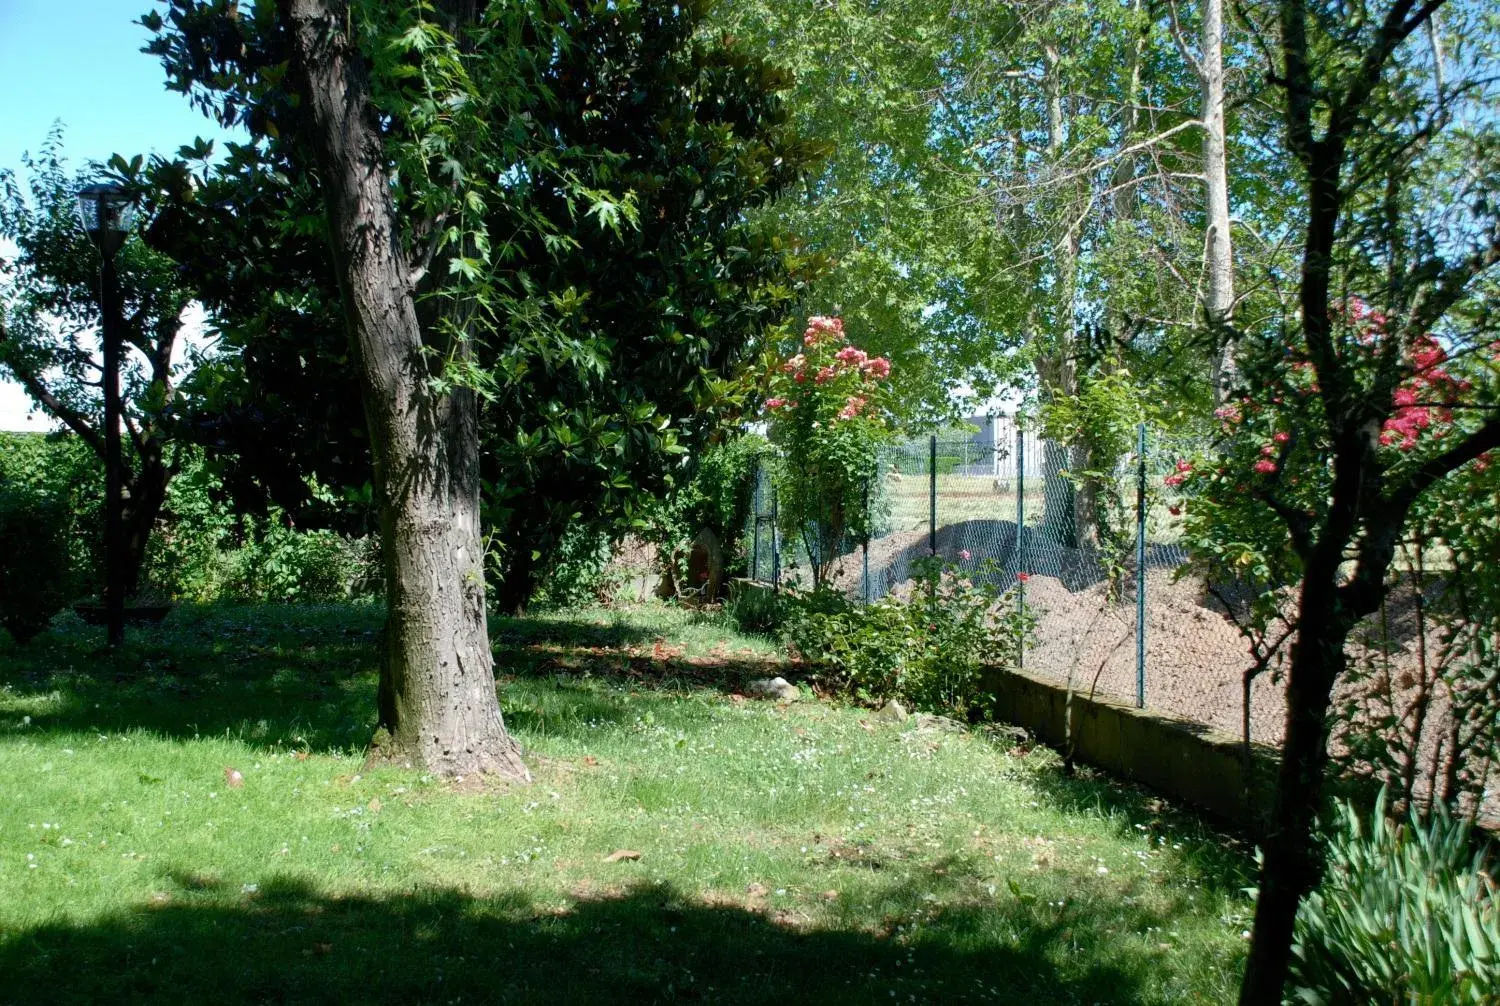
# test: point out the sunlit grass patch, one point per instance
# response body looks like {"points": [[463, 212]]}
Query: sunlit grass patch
{"points": [[797, 850]]}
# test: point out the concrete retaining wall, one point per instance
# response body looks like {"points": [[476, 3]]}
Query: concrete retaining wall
{"points": [[1177, 757]]}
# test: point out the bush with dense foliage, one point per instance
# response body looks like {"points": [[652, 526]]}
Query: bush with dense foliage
{"points": [[579, 573], [826, 406], [716, 496], [928, 648], [33, 558], [1407, 913], [61, 468], [204, 551], [200, 550]]}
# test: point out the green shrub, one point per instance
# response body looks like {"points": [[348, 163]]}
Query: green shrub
{"points": [[283, 564], [1406, 913], [62, 468], [929, 648], [189, 554], [580, 573], [717, 495], [34, 568], [756, 608]]}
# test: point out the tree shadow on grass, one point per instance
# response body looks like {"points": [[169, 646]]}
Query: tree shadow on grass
{"points": [[287, 942], [291, 676], [304, 676], [1221, 862]]}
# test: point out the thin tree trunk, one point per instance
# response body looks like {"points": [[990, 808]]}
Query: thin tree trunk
{"points": [[1126, 198], [145, 493], [1218, 302], [438, 707], [1057, 369], [1291, 863]]}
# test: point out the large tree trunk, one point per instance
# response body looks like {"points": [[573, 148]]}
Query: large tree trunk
{"points": [[438, 707]]}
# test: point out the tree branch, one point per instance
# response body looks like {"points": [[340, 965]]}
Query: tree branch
{"points": [[68, 416]]}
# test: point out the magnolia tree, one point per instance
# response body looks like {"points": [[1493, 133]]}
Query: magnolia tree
{"points": [[826, 410]]}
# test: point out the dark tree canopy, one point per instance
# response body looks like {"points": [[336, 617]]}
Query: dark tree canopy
{"points": [[625, 349]]}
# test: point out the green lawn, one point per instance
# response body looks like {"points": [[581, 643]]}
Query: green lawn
{"points": [[793, 853]]}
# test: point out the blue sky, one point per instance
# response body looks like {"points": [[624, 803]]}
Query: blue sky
{"points": [[79, 61]]}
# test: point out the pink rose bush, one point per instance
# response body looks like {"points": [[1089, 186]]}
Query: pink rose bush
{"points": [[845, 378], [826, 409]]}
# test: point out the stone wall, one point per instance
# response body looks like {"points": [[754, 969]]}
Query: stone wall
{"points": [[1179, 758]]}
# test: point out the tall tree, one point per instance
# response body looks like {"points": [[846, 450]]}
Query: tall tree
{"points": [[400, 113], [1381, 377], [1218, 243], [624, 354], [50, 331], [437, 695]]}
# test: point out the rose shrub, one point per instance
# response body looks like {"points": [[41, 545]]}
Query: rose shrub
{"points": [[826, 412], [1272, 470]]}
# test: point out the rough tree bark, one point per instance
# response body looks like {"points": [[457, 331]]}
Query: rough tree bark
{"points": [[438, 706]]}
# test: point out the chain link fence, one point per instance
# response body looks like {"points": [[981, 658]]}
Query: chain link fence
{"points": [[1098, 560]]}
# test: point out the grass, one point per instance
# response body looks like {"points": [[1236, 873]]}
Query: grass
{"points": [[801, 852]]}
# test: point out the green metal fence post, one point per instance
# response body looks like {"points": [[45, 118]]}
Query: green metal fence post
{"points": [[775, 552], [1021, 532], [932, 494], [1140, 570], [755, 524], [865, 547]]}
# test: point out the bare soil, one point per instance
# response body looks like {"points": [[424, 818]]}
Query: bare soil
{"points": [[1195, 657]]}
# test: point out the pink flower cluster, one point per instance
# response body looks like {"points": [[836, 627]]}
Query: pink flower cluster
{"points": [[823, 329], [822, 334], [1178, 477], [853, 407], [1431, 382]]}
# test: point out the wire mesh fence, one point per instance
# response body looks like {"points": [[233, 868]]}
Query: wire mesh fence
{"points": [[1102, 565], [1097, 561]]}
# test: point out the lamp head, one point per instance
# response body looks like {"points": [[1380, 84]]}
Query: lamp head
{"points": [[106, 212]]}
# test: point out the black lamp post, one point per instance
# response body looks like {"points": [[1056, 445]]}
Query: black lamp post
{"points": [[106, 212]]}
